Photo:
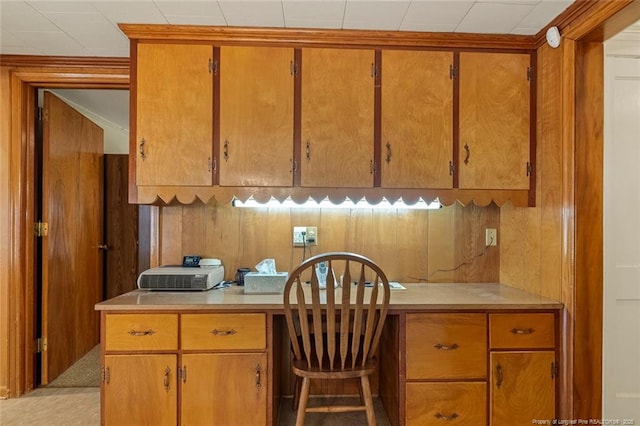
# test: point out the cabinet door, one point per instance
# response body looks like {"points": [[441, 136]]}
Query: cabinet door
{"points": [[417, 119], [337, 117], [140, 390], [522, 387], [224, 389], [256, 116], [174, 115], [494, 121]]}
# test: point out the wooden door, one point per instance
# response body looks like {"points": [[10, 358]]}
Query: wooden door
{"points": [[72, 179], [256, 116], [121, 229], [337, 117], [417, 119], [522, 387], [140, 390], [224, 389], [173, 92], [494, 120]]}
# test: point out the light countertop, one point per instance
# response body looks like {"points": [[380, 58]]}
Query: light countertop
{"points": [[449, 296]]}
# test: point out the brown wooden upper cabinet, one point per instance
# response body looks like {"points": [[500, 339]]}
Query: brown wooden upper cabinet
{"points": [[173, 91], [417, 119], [337, 117], [494, 143], [256, 116]]}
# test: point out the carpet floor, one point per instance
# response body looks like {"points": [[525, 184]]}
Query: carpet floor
{"points": [[83, 373]]}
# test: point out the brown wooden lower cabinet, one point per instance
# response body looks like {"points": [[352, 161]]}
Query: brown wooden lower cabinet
{"points": [[193, 381], [447, 403], [522, 387], [224, 389], [446, 379], [140, 390]]}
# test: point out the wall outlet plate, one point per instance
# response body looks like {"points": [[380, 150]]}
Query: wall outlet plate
{"points": [[491, 237], [305, 236]]}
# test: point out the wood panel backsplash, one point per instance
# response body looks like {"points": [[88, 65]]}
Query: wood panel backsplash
{"points": [[410, 245]]}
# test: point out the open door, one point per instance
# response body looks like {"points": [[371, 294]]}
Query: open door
{"points": [[72, 206]]}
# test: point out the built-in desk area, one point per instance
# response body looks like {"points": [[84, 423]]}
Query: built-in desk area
{"points": [[450, 354]]}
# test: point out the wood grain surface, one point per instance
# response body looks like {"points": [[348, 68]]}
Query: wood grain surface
{"points": [[410, 245]]}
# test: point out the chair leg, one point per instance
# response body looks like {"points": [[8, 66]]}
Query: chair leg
{"points": [[296, 393], [368, 401], [360, 392], [304, 398]]}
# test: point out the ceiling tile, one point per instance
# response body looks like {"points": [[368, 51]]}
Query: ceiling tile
{"points": [[189, 8], [260, 13], [319, 14], [63, 6], [51, 42], [544, 13], [7, 39], [524, 31], [90, 30], [379, 15], [19, 16], [440, 16], [196, 20], [493, 18], [131, 12]]}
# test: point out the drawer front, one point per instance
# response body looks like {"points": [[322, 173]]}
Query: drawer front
{"points": [[446, 346], [223, 331], [446, 404], [133, 332], [529, 331]]}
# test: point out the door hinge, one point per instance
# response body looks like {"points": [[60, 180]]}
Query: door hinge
{"points": [[45, 114], [41, 345], [40, 113], [530, 72], [555, 370], [453, 72], [529, 168], [41, 229], [452, 168]]}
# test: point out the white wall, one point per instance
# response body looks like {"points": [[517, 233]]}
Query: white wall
{"points": [[621, 333]]}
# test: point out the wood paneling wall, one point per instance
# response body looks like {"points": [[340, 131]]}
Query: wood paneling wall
{"points": [[410, 245], [5, 228]]}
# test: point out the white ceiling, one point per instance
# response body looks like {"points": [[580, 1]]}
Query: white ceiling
{"points": [[89, 28]]}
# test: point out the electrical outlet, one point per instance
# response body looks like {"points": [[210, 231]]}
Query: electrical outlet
{"points": [[491, 237], [305, 236]]}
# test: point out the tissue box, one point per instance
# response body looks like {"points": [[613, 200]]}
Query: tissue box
{"points": [[260, 283]]}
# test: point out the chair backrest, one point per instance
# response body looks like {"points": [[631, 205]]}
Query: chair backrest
{"points": [[317, 325]]}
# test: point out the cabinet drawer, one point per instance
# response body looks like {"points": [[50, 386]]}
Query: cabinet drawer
{"points": [[131, 332], [445, 346], [521, 331], [446, 403], [223, 331]]}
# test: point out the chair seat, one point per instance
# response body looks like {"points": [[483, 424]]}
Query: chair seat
{"points": [[302, 369]]}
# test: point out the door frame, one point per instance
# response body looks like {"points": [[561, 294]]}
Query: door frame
{"points": [[591, 22], [27, 74]]}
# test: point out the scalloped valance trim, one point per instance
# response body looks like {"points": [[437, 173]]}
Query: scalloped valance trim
{"points": [[224, 195]]}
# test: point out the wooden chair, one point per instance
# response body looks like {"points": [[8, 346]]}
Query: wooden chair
{"points": [[335, 337]]}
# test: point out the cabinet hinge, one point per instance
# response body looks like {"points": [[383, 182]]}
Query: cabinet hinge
{"points": [[374, 71], [105, 374], [453, 72], [41, 345], [213, 67], [529, 169], [555, 371], [452, 168], [530, 73], [41, 229], [293, 68]]}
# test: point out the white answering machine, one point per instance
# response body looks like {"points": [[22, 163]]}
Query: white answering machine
{"points": [[179, 278]]}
